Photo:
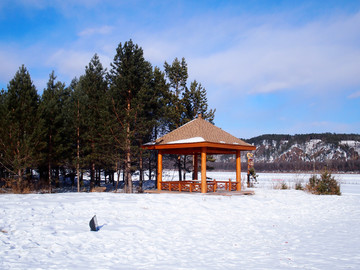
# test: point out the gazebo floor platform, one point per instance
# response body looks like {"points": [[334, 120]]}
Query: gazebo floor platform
{"points": [[218, 192]]}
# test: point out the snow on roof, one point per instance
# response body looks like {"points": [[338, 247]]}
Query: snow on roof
{"points": [[190, 140]]}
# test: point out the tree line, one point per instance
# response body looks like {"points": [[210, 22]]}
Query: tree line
{"points": [[352, 166], [97, 123], [331, 138]]}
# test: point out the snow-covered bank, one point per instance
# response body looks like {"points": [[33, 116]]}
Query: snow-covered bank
{"points": [[350, 183], [273, 229]]}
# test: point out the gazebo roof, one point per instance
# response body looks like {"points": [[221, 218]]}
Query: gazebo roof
{"points": [[196, 134]]}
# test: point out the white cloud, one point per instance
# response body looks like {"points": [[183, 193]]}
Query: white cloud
{"points": [[322, 126], [10, 64], [258, 55], [321, 55], [102, 30], [62, 4], [70, 62], [354, 95]]}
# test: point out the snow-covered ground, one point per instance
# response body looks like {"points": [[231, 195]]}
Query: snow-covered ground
{"points": [[273, 229], [350, 183]]}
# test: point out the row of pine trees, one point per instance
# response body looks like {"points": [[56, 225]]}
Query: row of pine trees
{"points": [[97, 123]]}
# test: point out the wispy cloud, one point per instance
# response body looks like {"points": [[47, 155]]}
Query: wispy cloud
{"points": [[321, 127], [322, 55], [102, 30], [72, 63], [354, 95], [59, 4], [12, 63]]}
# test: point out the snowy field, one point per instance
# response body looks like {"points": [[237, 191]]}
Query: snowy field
{"points": [[273, 229]]}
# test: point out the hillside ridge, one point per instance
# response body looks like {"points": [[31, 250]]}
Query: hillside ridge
{"points": [[340, 151]]}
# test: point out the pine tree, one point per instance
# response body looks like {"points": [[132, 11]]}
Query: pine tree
{"points": [[22, 126], [177, 75], [184, 103], [128, 79], [3, 130], [74, 119], [195, 102], [93, 86], [156, 108], [52, 105]]}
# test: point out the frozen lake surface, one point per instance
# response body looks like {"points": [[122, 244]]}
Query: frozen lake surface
{"points": [[350, 183]]}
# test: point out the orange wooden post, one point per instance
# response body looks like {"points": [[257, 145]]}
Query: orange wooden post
{"points": [[159, 172], [203, 170], [238, 171], [196, 165]]}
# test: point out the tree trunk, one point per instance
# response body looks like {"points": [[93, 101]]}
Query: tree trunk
{"points": [[78, 147], [150, 168], [92, 176], [179, 167], [184, 168], [141, 173], [118, 175], [72, 178], [93, 169], [128, 180], [49, 163], [98, 177], [49, 176], [57, 177], [20, 178]]}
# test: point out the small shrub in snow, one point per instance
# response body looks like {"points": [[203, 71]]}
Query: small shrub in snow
{"points": [[284, 186], [299, 186], [326, 184], [281, 185], [18, 187]]}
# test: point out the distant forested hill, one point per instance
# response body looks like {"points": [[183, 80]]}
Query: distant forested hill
{"points": [[301, 152], [339, 152]]}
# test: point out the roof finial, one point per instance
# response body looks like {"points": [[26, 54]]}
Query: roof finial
{"points": [[199, 115]]}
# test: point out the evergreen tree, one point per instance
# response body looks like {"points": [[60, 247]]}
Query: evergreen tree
{"points": [[156, 108], [177, 75], [184, 103], [195, 103], [159, 104], [129, 80], [75, 121], [93, 87], [3, 130], [52, 105], [22, 126], [154, 97]]}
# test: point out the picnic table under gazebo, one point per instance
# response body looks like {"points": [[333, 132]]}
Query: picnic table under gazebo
{"points": [[198, 138]]}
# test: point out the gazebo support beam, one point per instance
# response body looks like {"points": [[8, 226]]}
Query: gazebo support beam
{"points": [[238, 171], [203, 170], [159, 170]]}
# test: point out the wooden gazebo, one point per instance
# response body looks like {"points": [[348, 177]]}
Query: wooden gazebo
{"points": [[198, 137]]}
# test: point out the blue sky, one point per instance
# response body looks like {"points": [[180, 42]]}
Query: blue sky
{"points": [[268, 66]]}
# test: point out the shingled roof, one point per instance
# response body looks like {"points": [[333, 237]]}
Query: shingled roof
{"points": [[198, 131]]}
